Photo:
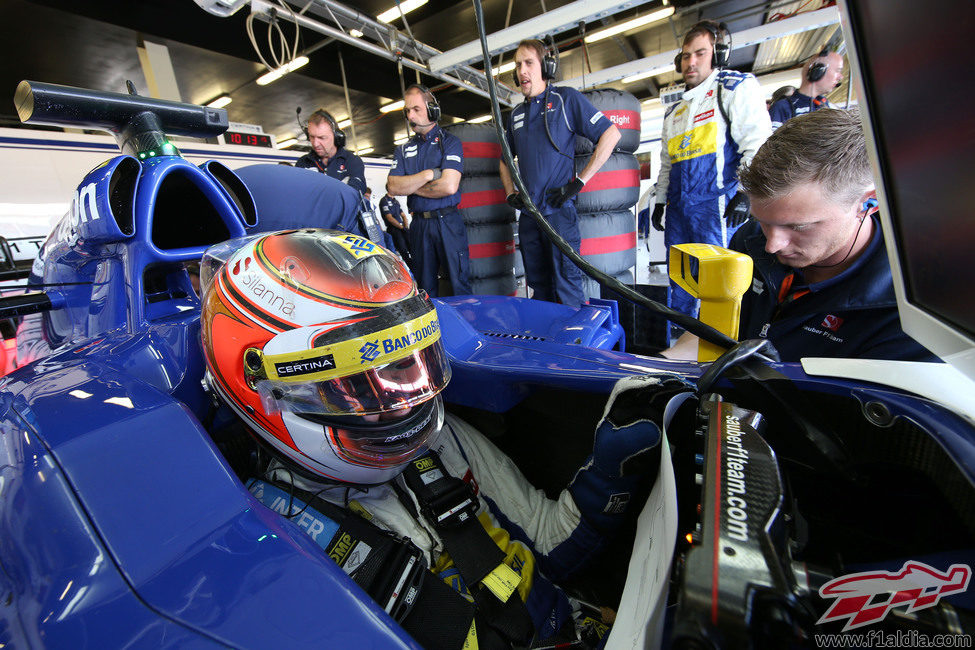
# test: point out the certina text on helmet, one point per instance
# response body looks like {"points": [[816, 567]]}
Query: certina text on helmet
{"points": [[322, 344]]}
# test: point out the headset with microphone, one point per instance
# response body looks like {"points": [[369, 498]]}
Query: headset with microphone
{"points": [[818, 69], [338, 135], [433, 107], [721, 36], [550, 62]]}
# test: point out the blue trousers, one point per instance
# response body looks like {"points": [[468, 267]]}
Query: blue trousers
{"points": [[548, 272], [441, 240], [700, 223]]}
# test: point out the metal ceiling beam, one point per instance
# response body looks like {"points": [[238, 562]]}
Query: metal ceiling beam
{"points": [[551, 22], [800, 23], [389, 44]]}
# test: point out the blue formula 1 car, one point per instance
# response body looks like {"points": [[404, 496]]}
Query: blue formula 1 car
{"points": [[805, 499]]}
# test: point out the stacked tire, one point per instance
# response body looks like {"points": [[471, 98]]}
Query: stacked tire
{"points": [[607, 224], [489, 219]]}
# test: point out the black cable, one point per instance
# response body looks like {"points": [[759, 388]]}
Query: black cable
{"points": [[855, 238], [734, 356], [548, 132], [689, 323]]}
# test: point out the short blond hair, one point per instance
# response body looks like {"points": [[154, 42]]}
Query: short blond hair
{"points": [[826, 146]]}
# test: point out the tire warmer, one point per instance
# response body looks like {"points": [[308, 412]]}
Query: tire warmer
{"points": [[389, 568]]}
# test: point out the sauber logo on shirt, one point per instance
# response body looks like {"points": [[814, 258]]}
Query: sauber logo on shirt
{"points": [[710, 93], [595, 118], [831, 322]]}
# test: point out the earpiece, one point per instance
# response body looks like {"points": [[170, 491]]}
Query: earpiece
{"points": [[433, 107], [870, 204]]}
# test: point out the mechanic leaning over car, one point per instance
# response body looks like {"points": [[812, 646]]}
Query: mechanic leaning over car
{"points": [[427, 170], [542, 132], [821, 284], [720, 121], [329, 155], [339, 378]]}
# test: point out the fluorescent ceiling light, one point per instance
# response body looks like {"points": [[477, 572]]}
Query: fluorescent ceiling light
{"points": [[405, 7], [344, 123], [363, 151], [220, 101], [284, 144], [478, 120], [395, 106], [507, 67], [633, 23], [355, 33], [553, 21], [652, 72], [277, 73]]}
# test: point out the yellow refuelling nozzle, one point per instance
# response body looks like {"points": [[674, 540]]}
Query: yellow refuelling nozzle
{"points": [[719, 278]]}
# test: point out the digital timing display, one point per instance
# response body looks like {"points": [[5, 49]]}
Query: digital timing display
{"points": [[248, 139]]}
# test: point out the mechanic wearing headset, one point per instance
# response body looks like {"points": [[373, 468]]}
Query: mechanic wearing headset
{"points": [[820, 75], [329, 155], [427, 170], [340, 384], [542, 132], [821, 283], [721, 121]]}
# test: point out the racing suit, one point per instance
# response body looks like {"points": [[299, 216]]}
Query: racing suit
{"points": [[543, 540], [437, 233], [699, 160], [795, 104], [543, 167]]}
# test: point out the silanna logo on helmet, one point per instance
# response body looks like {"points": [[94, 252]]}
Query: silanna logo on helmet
{"points": [[268, 297]]}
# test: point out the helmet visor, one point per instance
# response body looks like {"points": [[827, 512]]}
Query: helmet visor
{"points": [[391, 388]]}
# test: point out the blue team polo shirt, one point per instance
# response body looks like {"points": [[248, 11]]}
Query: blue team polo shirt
{"points": [[795, 104], [437, 149], [391, 205], [344, 166], [287, 198], [569, 114], [852, 315]]}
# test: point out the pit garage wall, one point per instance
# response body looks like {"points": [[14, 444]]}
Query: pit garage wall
{"points": [[40, 171]]}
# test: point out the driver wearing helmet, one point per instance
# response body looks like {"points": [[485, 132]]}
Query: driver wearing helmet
{"points": [[322, 345]]}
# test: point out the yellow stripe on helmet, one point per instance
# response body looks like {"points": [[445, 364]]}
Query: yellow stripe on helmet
{"points": [[354, 355]]}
